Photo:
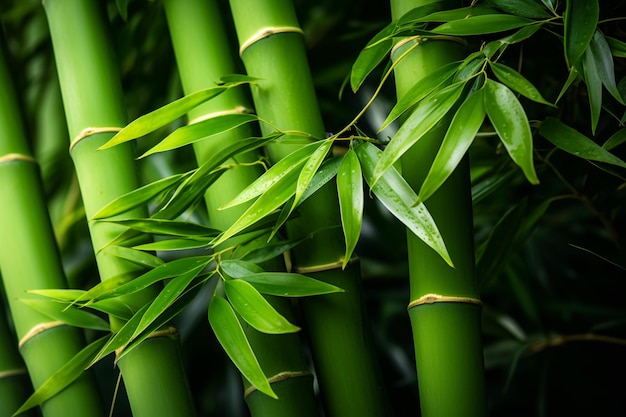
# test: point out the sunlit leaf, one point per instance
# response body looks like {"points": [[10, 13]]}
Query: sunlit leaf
{"points": [[510, 122], [516, 82], [581, 19], [70, 315], [575, 143], [229, 333], [61, 379], [237, 268], [201, 131], [482, 24], [594, 87], [326, 172], [425, 116], [399, 198], [176, 244], [601, 53], [166, 227], [309, 169], [523, 8], [350, 192], [460, 135], [371, 56], [270, 251], [255, 309], [287, 284], [136, 256], [59, 294]]}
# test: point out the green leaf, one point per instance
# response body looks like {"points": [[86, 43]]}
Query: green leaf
{"points": [[371, 56], [176, 244], [122, 8], [482, 24], [572, 76], [202, 130], [594, 88], [618, 47], [61, 379], [516, 82], [399, 198], [460, 135], [237, 268], [255, 309], [139, 196], [490, 49], [229, 333], [510, 122], [67, 314], [287, 284], [59, 294], [601, 53], [575, 143], [113, 307], [460, 13], [615, 140], [350, 191], [419, 91], [425, 116], [166, 227], [580, 19], [270, 251], [136, 256], [310, 167], [326, 172], [523, 8]]}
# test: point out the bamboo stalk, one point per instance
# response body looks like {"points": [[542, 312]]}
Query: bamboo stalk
{"points": [[92, 96], [446, 331], [196, 25], [272, 49], [30, 260]]}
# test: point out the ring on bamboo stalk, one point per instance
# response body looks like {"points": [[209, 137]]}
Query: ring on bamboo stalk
{"points": [[38, 328], [281, 376], [236, 110], [324, 267], [170, 331], [437, 298], [10, 157], [88, 131], [265, 32], [12, 372]]}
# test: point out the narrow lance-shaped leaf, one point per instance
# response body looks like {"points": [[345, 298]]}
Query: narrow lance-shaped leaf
{"points": [[309, 169], [483, 24], [350, 191], [616, 139], [288, 284], [399, 198], [176, 244], [136, 256], [580, 19], [575, 143], [510, 122], [255, 309], [166, 227], [70, 315], [425, 116], [371, 56], [594, 87], [601, 52], [516, 82], [460, 135], [524, 8], [231, 336]]}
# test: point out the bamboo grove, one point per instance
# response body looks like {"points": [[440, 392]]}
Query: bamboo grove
{"points": [[229, 220]]}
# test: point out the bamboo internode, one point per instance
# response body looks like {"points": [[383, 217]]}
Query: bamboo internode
{"points": [[265, 32]]}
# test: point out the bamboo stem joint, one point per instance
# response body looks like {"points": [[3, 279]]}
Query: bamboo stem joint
{"points": [[281, 376], [88, 131], [324, 267], [169, 332], [236, 110], [12, 372], [10, 157], [438, 298], [38, 328], [265, 32]]}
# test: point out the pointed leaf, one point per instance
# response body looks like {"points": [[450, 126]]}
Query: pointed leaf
{"points": [[176, 244], [237, 268], [460, 135], [71, 315], [371, 56], [325, 173], [255, 309], [516, 82], [350, 191], [483, 24], [202, 130], [523, 8], [270, 251], [618, 47], [599, 49], [490, 49], [59, 294], [166, 227], [594, 87], [229, 333], [287, 284], [399, 198], [136, 256], [310, 167], [572, 76], [616, 139], [510, 122], [575, 143], [425, 116], [581, 19]]}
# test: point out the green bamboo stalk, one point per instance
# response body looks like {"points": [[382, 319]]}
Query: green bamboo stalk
{"points": [[196, 25], [272, 49], [92, 96], [447, 335], [30, 260]]}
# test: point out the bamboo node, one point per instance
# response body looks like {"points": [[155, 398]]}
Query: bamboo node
{"points": [[265, 32], [12, 372], [169, 332], [438, 298], [236, 110], [281, 376], [404, 41], [88, 131], [323, 267], [36, 329], [10, 157]]}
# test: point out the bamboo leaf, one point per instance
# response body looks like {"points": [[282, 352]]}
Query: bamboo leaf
{"points": [[580, 19], [460, 13], [287, 284], [516, 82], [510, 122], [309, 169], [139, 196], [594, 87], [176, 244], [136, 256], [482, 24], [615, 140], [601, 53], [122, 7], [59, 294], [202, 130], [399, 198], [326, 172], [460, 135], [255, 309], [229, 333], [70, 315], [424, 117], [350, 191], [270, 251], [523, 8], [371, 56], [237, 268], [113, 307], [524, 33], [575, 143], [572, 76], [61, 379], [166, 227], [618, 47], [419, 91]]}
